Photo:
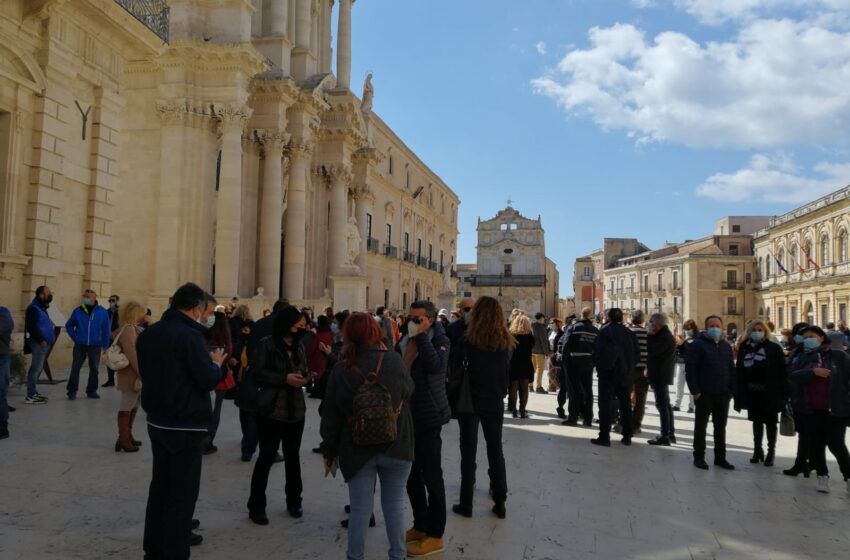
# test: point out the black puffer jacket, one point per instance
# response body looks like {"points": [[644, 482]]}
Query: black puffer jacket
{"points": [[661, 357], [616, 353], [429, 403], [710, 367], [177, 373]]}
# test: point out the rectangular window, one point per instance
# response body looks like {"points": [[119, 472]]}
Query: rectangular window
{"points": [[733, 250], [419, 247], [675, 305], [632, 283], [675, 279], [660, 281], [430, 252], [646, 306], [389, 240], [731, 306], [586, 273], [731, 279], [406, 247], [842, 312], [369, 226], [441, 259], [824, 315], [793, 315], [646, 283], [386, 298], [509, 270], [736, 229], [780, 317], [404, 301], [748, 278]]}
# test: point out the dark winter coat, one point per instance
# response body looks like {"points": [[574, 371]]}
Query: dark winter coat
{"points": [[337, 408], [37, 323], [457, 335], [761, 376], [430, 402], [709, 367], [177, 373], [661, 357], [802, 372], [521, 365], [489, 373], [7, 325], [271, 366], [616, 353]]}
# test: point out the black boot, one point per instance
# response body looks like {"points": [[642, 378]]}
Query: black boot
{"points": [[798, 468], [771, 445], [758, 456], [561, 413]]}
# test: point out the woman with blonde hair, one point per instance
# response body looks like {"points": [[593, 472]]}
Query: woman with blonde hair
{"points": [[522, 368], [486, 353], [131, 318], [762, 387]]}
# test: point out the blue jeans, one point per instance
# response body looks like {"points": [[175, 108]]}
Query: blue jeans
{"points": [[5, 366], [81, 354], [39, 354], [393, 474]]}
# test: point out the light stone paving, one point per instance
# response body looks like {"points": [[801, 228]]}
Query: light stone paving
{"points": [[66, 494]]}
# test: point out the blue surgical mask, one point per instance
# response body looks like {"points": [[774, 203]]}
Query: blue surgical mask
{"points": [[798, 339], [689, 333], [811, 343], [649, 329], [756, 336], [334, 328], [210, 322], [715, 332]]}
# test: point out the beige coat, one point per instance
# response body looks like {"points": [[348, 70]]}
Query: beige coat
{"points": [[127, 341]]}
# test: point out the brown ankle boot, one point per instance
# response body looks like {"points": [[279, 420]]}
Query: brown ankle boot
{"points": [[136, 442], [124, 443]]}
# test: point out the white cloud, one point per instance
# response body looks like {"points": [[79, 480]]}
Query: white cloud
{"points": [[541, 47], [641, 4], [716, 12], [776, 83], [775, 179]]}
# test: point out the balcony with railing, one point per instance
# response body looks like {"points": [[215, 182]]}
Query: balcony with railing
{"points": [[434, 266], [373, 245], [732, 285], [409, 257], [390, 251], [422, 261], [517, 281], [152, 13]]}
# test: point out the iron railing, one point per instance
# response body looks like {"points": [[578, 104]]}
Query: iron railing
{"points": [[390, 251], [152, 13], [732, 286], [373, 245], [513, 280]]}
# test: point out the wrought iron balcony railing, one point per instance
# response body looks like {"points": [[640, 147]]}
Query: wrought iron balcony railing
{"points": [[390, 251], [373, 245], [493, 280], [152, 13]]}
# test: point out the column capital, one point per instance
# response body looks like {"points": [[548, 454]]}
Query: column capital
{"points": [[299, 149], [232, 116], [272, 139], [340, 174], [362, 193], [171, 113]]}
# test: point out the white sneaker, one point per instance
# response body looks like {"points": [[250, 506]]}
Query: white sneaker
{"points": [[823, 484]]}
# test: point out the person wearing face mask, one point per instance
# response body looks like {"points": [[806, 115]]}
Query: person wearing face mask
{"points": [[457, 333], [386, 325], [89, 328], [112, 312], [820, 378], [795, 349], [691, 331], [762, 387], [710, 371], [660, 369], [280, 370], [178, 372], [40, 337]]}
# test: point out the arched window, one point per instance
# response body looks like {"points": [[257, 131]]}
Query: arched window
{"points": [[824, 251], [807, 255], [842, 246], [781, 260]]}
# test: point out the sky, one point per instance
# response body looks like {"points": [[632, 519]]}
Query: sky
{"points": [[615, 118]]}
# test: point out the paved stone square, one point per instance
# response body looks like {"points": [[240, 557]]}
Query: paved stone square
{"points": [[66, 494]]}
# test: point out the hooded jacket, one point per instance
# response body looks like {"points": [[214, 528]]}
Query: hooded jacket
{"points": [[429, 403]]}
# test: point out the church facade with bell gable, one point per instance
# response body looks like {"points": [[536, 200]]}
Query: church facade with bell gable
{"points": [[224, 146], [512, 265]]}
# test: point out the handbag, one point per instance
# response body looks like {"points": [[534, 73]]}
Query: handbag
{"points": [[787, 426], [226, 384], [460, 393], [251, 397], [116, 359]]}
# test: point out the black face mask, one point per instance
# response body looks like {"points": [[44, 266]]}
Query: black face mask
{"points": [[298, 335], [48, 299]]}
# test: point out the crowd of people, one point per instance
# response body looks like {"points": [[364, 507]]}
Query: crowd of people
{"points": [[390, 381]]}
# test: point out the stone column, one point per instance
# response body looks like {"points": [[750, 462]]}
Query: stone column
{"points": [[303, 23], [337, 245], [271, 214], [229, 211], [279, 14], [343, 49], [363, 198], [295, 252]]}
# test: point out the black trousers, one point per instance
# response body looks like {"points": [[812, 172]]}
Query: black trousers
{"points": [[803, 441], [580, 381], [640, 389], [425, 487], [492, 426], [662, 405], [826, 431], [563, 389], [271, 434], [716, 407], [610, 389], [174, 488]]}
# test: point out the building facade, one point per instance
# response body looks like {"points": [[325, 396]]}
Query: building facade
{"points": [[217, 144], [589, 271], [692, 280], [512, 264], [803, 264]]}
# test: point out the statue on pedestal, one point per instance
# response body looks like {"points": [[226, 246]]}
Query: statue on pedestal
{"points": [[353, 241], [368, 95], [447, 280]]}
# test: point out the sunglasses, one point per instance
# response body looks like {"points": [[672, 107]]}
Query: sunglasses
{"points": [[417, 320]]}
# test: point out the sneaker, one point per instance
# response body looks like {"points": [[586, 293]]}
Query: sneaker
{"points": [[72, 396], [561, 413], [34, 400], [823, 484], [413, 536], [40, 397], [672, 438], [426, 547]]}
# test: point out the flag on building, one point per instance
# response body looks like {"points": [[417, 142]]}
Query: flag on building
{"points": [[809, 259]]}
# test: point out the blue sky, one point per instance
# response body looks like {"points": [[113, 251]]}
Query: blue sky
{"points": [[632, 118]]}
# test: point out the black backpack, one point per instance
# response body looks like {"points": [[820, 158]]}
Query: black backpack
{"points": [[374, 419]]}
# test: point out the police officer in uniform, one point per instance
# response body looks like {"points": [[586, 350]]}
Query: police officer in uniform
{"points": [[578, 345]]}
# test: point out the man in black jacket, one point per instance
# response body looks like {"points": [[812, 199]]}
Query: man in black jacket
{"points": [[615, 356], [579, 344], [425, 351], [457, 332], [661, 369], [178, 372], [710, 371]]}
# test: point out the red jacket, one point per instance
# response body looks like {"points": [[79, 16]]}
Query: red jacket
{"points": [[316, 359]]}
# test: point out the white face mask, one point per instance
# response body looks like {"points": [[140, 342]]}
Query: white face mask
{"points": [[412, 329]]}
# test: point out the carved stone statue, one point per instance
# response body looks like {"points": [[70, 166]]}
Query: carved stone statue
{"points": [[352, 240], [447, 280], [368, 95]]}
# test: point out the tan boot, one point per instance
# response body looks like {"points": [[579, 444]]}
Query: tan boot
{"points": [[124, 443], [136, 442], [414, 536], [425, 547]]}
